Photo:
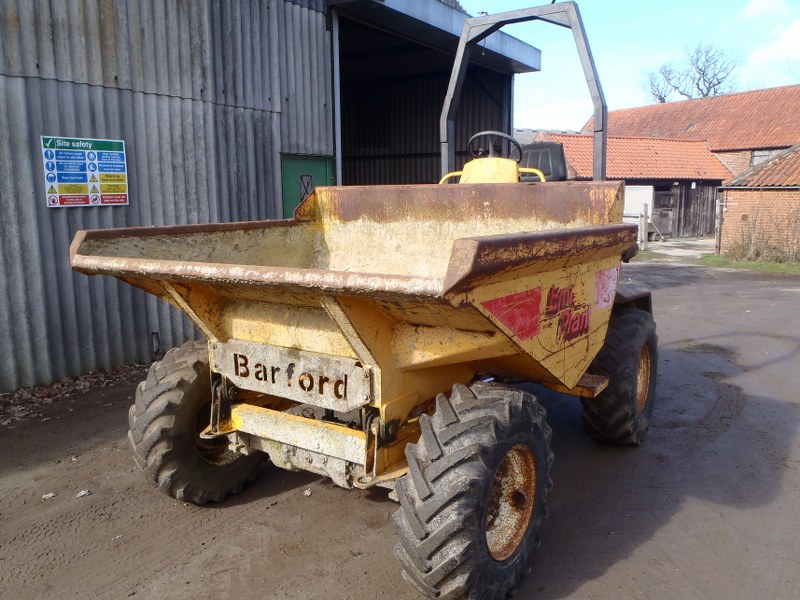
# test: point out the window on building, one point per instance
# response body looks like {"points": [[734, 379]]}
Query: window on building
{"points": [[759, 156]]}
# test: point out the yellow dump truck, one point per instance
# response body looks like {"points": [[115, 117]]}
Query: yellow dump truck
{"points": [[374, 339]]}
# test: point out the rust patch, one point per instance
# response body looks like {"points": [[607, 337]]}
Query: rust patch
{"points": [[563, 202], [475, 258], [510, 501], [643, 380]]}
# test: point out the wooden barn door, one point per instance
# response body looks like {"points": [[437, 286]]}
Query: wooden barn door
{"points": [[663, 212]]}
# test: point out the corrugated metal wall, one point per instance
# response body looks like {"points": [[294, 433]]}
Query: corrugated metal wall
{"points": [[390, 132], [206, 95]]}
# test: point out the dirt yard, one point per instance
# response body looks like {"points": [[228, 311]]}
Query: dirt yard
{"points": [[707, 508]]}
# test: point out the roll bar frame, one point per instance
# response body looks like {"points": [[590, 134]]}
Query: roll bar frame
{"points": [[476, 29]]}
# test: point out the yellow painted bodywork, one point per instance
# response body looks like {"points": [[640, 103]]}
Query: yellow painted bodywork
{"points": [[425, 286], [566, 359], [491, 170]]}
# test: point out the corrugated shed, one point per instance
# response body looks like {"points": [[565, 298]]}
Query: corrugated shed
{"points": [[205, 96], [779, 172], [392, 136], [303, 47], [768, 118], [642, 158]]}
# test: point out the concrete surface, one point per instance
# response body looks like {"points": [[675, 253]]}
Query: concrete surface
{"points": [[683, 247], [707, 508]]}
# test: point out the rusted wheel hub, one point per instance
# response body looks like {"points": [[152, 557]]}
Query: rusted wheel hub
{"points": [[643, 380], [510, 502]]}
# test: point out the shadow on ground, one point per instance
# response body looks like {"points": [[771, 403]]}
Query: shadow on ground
{"points": [[708, 442]]}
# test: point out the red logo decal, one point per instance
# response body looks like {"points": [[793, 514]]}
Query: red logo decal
{"points": [[573, 323], [559, 299], [519, 312]]}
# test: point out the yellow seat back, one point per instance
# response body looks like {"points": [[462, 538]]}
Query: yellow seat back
{"points": [[491, 170]]}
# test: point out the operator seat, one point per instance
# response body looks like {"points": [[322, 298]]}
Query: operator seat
{"points": [[548, 157]]}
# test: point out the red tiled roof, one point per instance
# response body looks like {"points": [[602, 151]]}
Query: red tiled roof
{"points": [[781, 171], [642, 158], [760, 119]]}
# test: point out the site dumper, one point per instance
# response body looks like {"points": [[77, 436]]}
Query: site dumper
{"points": [[369, 338], [378, 338]]}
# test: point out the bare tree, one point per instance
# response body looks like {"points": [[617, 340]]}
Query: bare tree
{"points": [[661, 83], [708, 71]]}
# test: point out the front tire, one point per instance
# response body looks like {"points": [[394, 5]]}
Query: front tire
{"points": [[171, 409], [473, 502], [621, 413]]}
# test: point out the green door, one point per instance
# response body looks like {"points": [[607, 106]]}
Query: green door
{"points": [[300, 175]]}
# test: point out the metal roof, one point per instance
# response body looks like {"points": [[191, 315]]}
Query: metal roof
{"points": [[454, 4], [438, 24]]}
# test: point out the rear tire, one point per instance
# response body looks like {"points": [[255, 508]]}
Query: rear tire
{"points": [[621, 413], [473, 502], [171, 409]]}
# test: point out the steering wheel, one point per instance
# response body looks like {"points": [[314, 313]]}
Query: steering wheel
{"points": [[481, 152]]}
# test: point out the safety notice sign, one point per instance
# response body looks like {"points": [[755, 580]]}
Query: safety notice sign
{"points": [[84, 172]]}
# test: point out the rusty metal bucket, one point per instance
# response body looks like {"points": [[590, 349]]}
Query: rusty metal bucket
{"points": [[400, 291]]}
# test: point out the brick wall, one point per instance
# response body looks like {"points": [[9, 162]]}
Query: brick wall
{"points": [[761, 224], [736, 162]]}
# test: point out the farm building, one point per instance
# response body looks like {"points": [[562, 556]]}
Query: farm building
{"points": [[676, 179], [197, 112], [741, 129], [761, 211]]}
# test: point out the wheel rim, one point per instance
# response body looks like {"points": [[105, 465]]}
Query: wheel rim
{"points": [[510, 503], [214, 451], [643, 380]]}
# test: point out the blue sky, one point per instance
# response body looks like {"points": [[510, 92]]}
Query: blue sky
{"points": [[631, 38]]}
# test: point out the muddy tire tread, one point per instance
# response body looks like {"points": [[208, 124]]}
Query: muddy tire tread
{"points": [[441, 543], [157, 423], [611, 416]]}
